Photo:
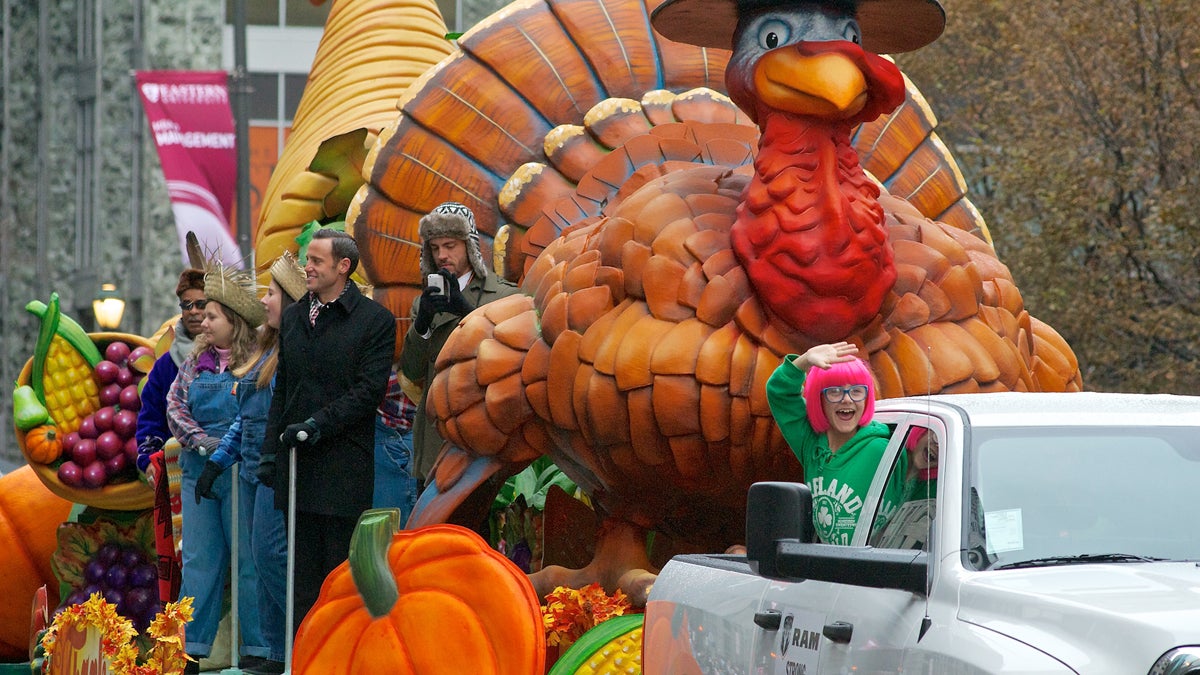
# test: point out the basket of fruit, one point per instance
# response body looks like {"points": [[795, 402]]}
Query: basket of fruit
{"points": [[75, 411]]}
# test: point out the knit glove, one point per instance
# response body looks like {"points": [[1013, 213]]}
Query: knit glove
{"points": [[207, 444], [456, 303], [291, 436], [428, 306], [204, 483]]}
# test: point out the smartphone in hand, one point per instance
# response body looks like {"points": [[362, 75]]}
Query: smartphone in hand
{"points": [[436, 282]]}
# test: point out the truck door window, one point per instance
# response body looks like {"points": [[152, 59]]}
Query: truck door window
{"points": [[905, 516]]}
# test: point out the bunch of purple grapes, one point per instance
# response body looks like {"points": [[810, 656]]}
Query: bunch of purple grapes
{"points": [[127, 578], [103, 450]]}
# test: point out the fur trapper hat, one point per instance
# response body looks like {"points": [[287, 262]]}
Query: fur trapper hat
{"points": [[236, 290], [189, 280], [289, 275], [456, 221]]}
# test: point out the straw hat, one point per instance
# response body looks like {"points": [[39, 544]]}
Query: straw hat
{"points": [[888, 26], [289, 275], [236, 290]]}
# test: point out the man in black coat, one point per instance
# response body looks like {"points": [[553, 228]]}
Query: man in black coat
{"points": [[335, 356]]}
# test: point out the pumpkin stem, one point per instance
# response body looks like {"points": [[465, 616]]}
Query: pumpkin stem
{"points": [[369, 567]]}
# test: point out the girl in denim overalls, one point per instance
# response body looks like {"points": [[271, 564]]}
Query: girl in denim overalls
{"points": [[201, 406], [261, 525]]}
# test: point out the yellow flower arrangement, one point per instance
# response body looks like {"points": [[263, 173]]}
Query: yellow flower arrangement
{"points": [[166, 653], [569, 613]]}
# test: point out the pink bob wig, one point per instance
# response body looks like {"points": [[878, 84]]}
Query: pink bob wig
{"points": [[837, 375], [915, 436]]}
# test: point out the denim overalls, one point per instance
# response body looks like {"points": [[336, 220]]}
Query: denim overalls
{"points": [[262, 522], [207, 530]]}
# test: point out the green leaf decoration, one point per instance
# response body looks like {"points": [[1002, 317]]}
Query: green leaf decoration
{"points": [[306, 235]]}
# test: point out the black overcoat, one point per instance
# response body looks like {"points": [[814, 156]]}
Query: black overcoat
{"points": [[336, 373]]}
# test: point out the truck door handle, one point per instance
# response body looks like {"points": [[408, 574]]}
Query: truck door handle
{"points": [[838, 631], [769, 619]]}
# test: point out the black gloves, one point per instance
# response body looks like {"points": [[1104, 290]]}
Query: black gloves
{"points": [[266, 472], [427, 307], [452, 301], [204, 483], [456, 302], [301, 433]]}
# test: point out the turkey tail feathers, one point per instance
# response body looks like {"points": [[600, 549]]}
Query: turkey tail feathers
{"points": [[904, 153], [470, 122]]}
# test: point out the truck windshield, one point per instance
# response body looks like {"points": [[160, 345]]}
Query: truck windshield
{"points": [[1069, 495]]}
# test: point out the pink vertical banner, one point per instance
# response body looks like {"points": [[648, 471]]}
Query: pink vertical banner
{"points": [[192, 124]]}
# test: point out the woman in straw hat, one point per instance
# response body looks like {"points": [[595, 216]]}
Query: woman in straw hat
{"points": [[201, 406], [258, 518]]}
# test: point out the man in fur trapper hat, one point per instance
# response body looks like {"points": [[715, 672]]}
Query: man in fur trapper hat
{"points": [[450, 250]]}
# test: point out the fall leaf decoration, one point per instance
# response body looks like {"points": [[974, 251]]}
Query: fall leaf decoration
{"points": [[569, 613], [166, 654]]}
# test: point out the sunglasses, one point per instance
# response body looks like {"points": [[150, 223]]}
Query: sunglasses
{"points": [[856, 392], [188, 304]]}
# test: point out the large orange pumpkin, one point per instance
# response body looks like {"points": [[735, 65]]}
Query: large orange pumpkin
{"points": [[29, 519], [432, 601]]}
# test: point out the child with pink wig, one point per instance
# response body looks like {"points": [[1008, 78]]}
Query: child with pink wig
{"points": [[823, 401]]}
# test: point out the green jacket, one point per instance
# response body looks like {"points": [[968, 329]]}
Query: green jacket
{"points": [[419, 356], [839, 481]]}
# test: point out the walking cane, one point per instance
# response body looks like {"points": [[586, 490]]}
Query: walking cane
{"points": [[234, 568], [291, 556]]}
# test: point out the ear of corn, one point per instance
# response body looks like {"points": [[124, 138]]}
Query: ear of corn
{"points": [[63, 362], [613, 647], [69, 330], [71, 390]]}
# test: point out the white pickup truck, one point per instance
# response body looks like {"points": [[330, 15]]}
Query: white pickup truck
{"points": [[1062, 535]]}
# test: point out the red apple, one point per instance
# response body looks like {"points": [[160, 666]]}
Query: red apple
{"points": [[125, 423], [130, 399], [106, 372], [110, 394], [141, 359], [84, 452], [114, 467], [87, 428], [126, 377], [70, 474], [104, 418], [95, 475], [109, 445], [117, 352]]}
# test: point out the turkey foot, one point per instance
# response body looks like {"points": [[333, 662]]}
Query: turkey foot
{"points": [[620, 563]]}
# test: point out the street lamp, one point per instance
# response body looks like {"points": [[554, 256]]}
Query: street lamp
{"points": [[108, 307]]}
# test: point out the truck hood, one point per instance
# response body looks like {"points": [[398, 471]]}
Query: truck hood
{"points": [[1095, 618]]}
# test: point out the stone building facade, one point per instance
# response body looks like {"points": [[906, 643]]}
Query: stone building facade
{"points": [[82, 195], [73, 146]]}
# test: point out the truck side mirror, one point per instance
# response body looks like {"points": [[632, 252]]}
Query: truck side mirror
{"points": [[776, 511]]}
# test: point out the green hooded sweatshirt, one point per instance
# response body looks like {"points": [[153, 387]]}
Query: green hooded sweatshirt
{"points": [[839, 481]]}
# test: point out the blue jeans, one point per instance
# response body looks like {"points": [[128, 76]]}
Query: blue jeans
{"points": [[395, 486], [207, 538], [208, 529], [270, 559]]}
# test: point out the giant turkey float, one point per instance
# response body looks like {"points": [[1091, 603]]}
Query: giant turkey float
{"points": [[682, 205]]}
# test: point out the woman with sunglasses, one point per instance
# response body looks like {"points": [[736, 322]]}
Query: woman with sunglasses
{"points": [[823, 401], [152, 429]]}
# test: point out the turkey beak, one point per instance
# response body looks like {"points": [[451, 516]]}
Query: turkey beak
{"points": [[828, 85]]}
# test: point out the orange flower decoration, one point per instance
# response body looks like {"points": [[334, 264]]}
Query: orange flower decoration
{"points": [[117, 633], [569, 613]]}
